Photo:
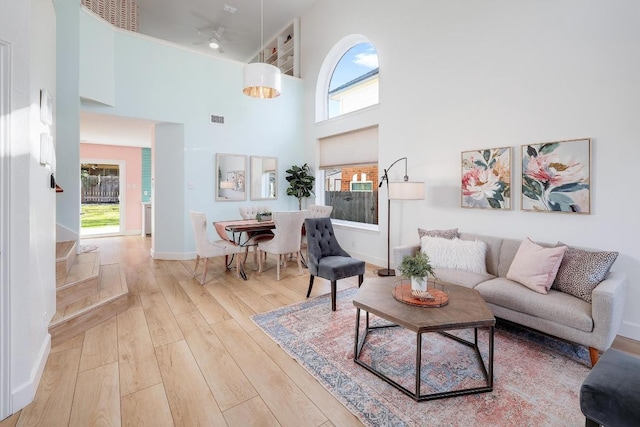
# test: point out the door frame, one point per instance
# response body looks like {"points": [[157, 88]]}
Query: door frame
{"points": [[5, 218], [122, 185]]}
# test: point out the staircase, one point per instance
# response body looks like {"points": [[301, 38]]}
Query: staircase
{"points": [[87, 293]]}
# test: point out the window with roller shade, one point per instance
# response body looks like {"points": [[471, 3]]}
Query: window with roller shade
{"points": [[348, 164]]}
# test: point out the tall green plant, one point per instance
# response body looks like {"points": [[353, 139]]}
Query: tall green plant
{"points": [[300, 182]]}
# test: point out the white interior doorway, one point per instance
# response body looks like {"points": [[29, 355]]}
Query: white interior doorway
{"points": [[102, 197]]}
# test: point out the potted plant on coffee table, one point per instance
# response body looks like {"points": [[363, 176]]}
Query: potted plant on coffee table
{"points": [[417, 268]]}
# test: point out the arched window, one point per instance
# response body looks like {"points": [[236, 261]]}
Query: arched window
{"points": [[354, 82], [348, 78]]}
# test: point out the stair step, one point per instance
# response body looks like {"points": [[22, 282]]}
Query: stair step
{"points": [[82, 280], [65, 255], [85, 313]]}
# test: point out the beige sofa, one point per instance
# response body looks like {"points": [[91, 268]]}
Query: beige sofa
{"points": [[557, 313]]}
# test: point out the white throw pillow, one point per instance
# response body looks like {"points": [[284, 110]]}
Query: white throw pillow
{"points": [[455, 253]]}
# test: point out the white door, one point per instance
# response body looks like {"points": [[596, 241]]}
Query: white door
{"points": [[5, 315]]}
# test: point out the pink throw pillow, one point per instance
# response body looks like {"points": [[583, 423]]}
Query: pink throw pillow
{"points": [[535, 266]]}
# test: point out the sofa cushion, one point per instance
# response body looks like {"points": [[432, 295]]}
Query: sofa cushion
{"points": [[445, 234], [493, 249], [580, 271], [535, 266], [468, 279], [555, 306], [455, 253]]}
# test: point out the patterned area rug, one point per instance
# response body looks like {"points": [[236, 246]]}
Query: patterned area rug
{"points": [[536, 378]]}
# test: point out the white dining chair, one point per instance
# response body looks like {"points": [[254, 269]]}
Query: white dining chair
{"points": [[250, 212], [319, 211], [206, 248], [286, 239]]}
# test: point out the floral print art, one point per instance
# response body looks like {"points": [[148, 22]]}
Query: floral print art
{"points": [[486, 178], [555, 176]]}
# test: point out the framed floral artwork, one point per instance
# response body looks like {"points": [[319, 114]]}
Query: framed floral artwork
{"points": [[486, 178], [556, 176]]}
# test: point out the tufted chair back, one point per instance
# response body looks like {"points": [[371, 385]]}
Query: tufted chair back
{"points": [[319, 211], [250, 212], [326, 258]]}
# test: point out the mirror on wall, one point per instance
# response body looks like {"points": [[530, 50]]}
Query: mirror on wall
{"points": [[230, 177], [264, 178]]}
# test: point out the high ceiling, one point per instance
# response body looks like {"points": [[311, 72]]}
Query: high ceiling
{"points": [[193, 22]]}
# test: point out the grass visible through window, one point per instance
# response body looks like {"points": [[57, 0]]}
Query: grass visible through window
{"points": [[99, 215]]}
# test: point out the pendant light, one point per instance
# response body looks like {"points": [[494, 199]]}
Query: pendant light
{"points": [[259, 79]]}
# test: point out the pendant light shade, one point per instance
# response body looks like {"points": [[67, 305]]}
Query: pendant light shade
{"points": [[259, 79]]}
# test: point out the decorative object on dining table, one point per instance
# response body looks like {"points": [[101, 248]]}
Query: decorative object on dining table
{"points": [[486, 178], [556, 176], [264, 216], [403, 190], [417, 268], [300, 182]]}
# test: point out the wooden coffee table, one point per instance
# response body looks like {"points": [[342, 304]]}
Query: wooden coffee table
{"points": [[466, 309]]}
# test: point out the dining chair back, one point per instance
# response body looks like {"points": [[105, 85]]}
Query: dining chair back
{"points": [[319, 211], [286, 238], [250, 212], [206, 248], [326, 258]]}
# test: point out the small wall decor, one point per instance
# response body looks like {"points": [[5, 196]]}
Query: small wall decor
{"points": [[486, 178], [556, 176], [46, 107]]}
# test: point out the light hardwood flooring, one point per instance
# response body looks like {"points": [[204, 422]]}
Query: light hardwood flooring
{"points": [[184, 354]]}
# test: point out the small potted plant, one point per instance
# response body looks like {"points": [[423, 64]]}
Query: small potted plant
{"points": [[417, 268], [263, 216]]}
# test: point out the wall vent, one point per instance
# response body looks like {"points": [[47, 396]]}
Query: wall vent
{"points": [[217, 119]]}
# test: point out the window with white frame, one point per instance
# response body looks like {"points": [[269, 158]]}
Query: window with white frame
{"points": [[348, 169], [354, 81]]}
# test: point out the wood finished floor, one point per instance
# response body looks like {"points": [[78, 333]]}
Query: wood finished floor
{"points": [[184, 354]]}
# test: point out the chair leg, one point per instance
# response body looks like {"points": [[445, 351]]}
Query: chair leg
{"points": [[278, 267], [333, 295], [360, 279], [204, 275], [310, 284], [299, 256], [195, 269], [259, 261]]}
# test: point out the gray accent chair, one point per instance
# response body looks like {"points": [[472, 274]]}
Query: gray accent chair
{"points": [[609, 395], [327, 259]]}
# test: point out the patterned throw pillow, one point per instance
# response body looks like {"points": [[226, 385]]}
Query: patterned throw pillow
{"points": [[445, 234], [580, 271]]}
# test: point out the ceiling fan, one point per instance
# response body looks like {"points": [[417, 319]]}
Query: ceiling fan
{"points": [[213, 38]]}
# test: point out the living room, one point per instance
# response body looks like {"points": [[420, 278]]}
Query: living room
{"points": [[453, 77]]}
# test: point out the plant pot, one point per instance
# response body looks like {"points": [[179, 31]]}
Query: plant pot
{"points": [[419, 284]]}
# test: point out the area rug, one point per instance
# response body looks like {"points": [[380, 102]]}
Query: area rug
{"points": [[536, 378]]}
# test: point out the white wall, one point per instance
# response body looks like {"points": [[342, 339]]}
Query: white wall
{"points": [[30, 29], [457, 76], [166, 83]]}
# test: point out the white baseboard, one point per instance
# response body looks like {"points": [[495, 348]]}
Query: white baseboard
{"points": [[630, 330], [24, 393], [63, 234]]}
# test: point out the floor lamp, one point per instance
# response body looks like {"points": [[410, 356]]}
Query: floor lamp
{"points": [[403, 190]]}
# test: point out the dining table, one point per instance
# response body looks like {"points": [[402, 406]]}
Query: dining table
{"points": [[245, 233]]}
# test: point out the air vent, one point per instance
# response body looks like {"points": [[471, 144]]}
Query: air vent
{"points": [[219, 120]]}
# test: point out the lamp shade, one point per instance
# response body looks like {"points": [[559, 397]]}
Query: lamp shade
{"points": [[406, 190], [227, 184], [260, 80]]}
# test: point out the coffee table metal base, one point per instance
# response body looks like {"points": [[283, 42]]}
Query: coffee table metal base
{"points": [[416, 394]]}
